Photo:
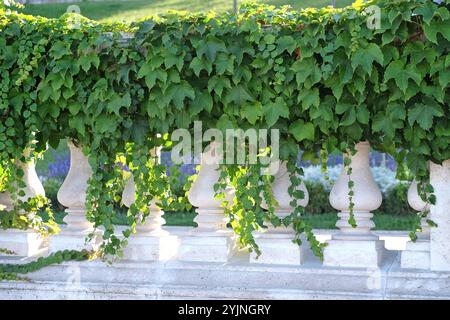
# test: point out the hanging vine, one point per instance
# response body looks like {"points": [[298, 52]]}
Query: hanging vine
{"points": [[322, 77]]}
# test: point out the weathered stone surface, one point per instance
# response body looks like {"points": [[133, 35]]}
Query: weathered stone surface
{"points": [[440, 236], [235, 280]]}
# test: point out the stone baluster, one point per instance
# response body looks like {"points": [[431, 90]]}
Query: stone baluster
{"points": [[355, 247], [72, 195], [439, 213], [211, 240], [151, 242], [273, 239], [417, 254], [23, 242]]}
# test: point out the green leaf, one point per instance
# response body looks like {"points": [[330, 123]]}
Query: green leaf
{"points": [[118, 102], [362, 114], [286, 43], [274, 110], [269, 38], [78, 124], [444, 78], [224, 63], [74, 108], [301, 130], [252, 112], [426, 11], [153, 111], [349, 118], [210, 47], [238, 95], [105, 123], [306, 69], [203, 101], [217, 84], [309, 98], [60, 49], [342, 107], [436, 27], [401, 75], [181, 92], [366, 56], [86, 61], [224, 123], [196, 65], [423, 114]]}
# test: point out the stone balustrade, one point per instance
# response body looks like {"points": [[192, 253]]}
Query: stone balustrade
{"points": [[356, 259]]}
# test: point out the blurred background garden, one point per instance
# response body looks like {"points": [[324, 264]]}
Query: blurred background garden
{"points": [[129, 10], [394, 214]]}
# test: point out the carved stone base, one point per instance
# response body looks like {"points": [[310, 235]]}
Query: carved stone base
{"points": [[354, 253], [416, 255], [206, 246], [24, 243], [69, 239], [151, 247], [278, 249]]}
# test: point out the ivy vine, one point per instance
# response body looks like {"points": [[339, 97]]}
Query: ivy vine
{"points": [[322, 77]]}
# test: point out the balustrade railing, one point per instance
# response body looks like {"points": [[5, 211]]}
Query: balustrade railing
{"points": [[212, 241]]}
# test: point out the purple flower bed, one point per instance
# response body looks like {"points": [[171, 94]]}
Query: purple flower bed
{"points": [[60, 167], [185, 169]]}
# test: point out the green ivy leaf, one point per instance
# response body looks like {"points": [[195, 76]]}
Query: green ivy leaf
{"points": [[252, 112], [423, 114], [118, 102], [77, 123], [366, 56], [238, 95], [105, 123], [224, 63], [301, 130], [362, 114], [309, 98], [396, 70], [274, 110], [203, 101], [286, 43], [217, 84], [210, 47], [180, 92]]}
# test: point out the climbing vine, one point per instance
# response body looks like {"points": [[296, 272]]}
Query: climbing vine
{"points": [[322, 77]]}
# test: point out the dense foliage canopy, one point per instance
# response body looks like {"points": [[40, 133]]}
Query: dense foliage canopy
{"points": [[323, 77]]}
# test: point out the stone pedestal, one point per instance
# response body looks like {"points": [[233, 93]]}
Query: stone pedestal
{"points": [[24, 243], [440, 214], [276, 243], [355, 247], [72, 194], [278, 249], [417, 254], [211, 241], [150, 242]]}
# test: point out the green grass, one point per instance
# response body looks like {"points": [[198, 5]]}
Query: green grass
{"points": [[317, 221], [382, 221], [129, 10]]}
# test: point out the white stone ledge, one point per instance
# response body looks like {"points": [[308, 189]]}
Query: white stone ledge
{"points": [[235, 280]]}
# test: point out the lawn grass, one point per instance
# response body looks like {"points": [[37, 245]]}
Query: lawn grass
{"points": [[129, 10], [317, 221]]}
